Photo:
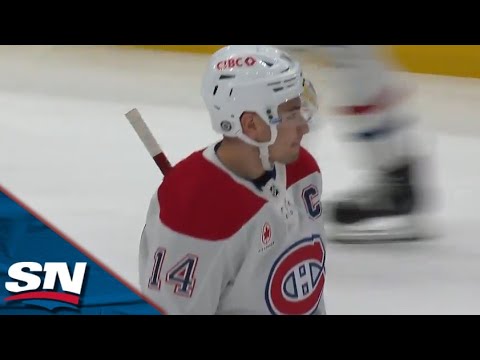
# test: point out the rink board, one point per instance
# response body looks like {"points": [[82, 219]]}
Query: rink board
{"points": [[452, 60]]}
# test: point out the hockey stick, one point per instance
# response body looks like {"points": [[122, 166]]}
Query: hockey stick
{"points": [[152, 146]]}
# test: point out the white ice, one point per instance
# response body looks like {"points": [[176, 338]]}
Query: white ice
{"points": [[67, 151]]}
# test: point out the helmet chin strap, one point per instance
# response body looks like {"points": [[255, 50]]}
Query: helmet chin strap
{"points": [[265, 157], [263, 147]]}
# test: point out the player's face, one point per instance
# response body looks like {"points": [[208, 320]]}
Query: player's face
{"points": [[290, 132]]}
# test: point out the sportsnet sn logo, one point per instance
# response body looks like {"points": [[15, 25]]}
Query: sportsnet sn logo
{"points": [[30, 287]]}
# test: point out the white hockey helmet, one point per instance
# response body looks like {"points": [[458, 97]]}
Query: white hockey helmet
{"points": [[254, 78]]}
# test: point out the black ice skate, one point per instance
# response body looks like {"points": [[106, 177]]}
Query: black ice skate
{"points": [[389, 210]]}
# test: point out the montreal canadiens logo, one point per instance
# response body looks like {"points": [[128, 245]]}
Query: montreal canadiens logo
{"points": [[295, 283]]}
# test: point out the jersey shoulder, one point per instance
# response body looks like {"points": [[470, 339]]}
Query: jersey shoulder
{"points": [[200, 200], [304, 166]]}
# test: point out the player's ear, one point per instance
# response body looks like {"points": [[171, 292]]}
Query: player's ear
{"points": [[249, 126]]}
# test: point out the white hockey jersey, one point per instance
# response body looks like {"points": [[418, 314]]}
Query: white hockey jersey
{"points": [[214, 243]]}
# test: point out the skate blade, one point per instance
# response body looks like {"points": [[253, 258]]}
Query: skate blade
{"points": [[385, 230]]}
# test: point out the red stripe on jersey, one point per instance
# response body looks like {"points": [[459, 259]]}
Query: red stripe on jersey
{"points": [[200, 200], [385, 100], [303, 167]]}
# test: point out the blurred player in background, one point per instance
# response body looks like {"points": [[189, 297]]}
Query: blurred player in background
{"points": [[370, 108], [236, 228]]}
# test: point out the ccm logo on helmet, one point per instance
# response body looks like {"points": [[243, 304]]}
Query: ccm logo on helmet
{"points": [[236, 62]]}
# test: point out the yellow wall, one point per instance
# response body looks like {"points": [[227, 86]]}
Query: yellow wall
{"points": [[203, 49], [454, 60]]}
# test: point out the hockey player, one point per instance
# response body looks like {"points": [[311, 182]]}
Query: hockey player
{"points": [[370, 109], [236, 228]]}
